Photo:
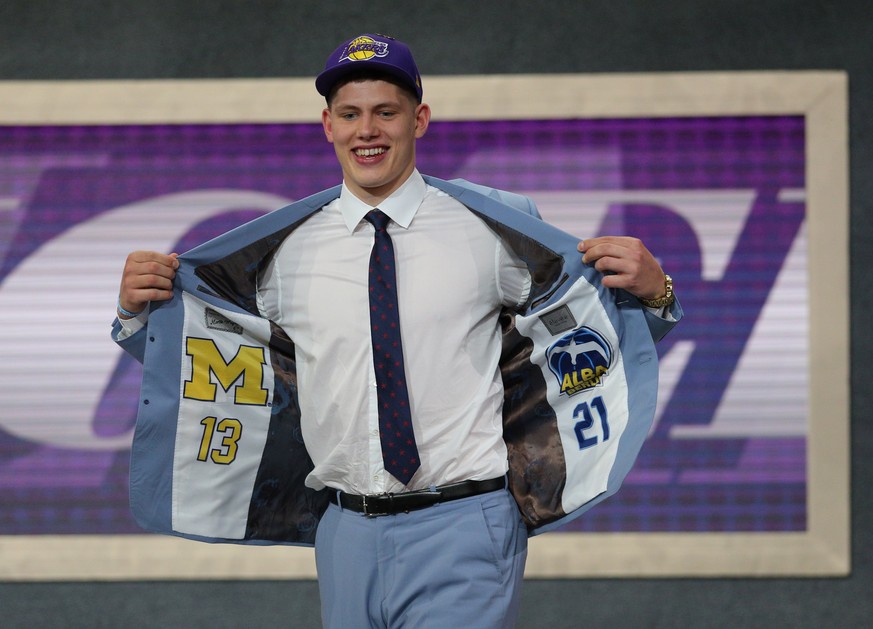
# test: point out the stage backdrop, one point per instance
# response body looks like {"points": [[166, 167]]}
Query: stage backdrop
{"points": [[737, 182]]}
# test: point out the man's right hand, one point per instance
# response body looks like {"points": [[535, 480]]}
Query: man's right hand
{"points": [[148, 276]]}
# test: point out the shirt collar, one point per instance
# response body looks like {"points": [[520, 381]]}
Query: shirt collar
{"points": [[400, 206]]}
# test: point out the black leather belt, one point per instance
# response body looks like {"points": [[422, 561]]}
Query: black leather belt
{"points": [[390, 504]]}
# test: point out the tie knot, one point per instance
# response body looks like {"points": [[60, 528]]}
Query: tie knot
{"points": [[378, 219]]}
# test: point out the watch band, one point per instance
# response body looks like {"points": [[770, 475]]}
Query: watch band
{"points": [[666, 300]]}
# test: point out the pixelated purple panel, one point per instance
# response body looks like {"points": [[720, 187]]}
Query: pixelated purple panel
{"points": [[720, 201]]}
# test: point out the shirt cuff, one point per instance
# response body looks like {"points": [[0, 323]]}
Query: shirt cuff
{"points": [[129, 327], [662, 313]]}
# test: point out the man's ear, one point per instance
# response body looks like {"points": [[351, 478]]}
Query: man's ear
{"points": [[326, 124], [422, 119]]}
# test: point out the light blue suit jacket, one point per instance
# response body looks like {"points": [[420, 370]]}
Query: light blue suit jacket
{"points": [[217, 452]]}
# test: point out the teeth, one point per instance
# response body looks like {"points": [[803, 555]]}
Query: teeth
{"points": [[369, 152]]}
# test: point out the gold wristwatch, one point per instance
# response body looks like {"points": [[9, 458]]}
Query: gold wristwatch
{"points": [[666, 300]]}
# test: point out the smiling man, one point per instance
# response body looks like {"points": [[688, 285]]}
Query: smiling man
{"points": [[419, 322], [373, 126]]}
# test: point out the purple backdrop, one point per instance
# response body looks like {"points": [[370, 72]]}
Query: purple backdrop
{"points": [[741, 180]]}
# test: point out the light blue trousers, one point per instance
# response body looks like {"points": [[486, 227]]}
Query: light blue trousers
{"points": [[456, 565]]}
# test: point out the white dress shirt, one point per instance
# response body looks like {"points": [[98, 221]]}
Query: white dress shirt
{"points": [[453, 277]]}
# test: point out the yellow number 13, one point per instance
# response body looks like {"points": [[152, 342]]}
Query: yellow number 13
{"points": [[231, 430]]}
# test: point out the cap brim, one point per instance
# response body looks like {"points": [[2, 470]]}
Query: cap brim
{"points": [[326, 80]]}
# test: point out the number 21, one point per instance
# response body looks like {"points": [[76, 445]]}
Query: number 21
{"points": [[587, 422]]}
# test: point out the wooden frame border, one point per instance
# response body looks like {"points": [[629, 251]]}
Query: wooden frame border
{"points": [[820, 96]]}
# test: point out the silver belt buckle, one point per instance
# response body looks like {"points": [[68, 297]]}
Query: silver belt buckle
{"points": [[367, 512]]}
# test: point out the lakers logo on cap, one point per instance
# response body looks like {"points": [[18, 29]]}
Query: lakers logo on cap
{"points": [[580, 360], [363, 48]]}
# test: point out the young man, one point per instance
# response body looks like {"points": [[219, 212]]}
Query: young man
{"points": [[440, 285]]}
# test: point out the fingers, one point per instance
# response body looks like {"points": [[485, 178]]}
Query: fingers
{"points": [[147, 276], [626, 263], [615, 246]]}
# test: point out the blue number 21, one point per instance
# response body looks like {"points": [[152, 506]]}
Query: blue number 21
{"points": [[587, 422]]}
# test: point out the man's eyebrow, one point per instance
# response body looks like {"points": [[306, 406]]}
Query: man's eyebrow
{"points": [[351, 106]]}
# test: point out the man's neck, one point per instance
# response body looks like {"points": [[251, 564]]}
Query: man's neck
{"points": [[401, 205], [374, 196]]}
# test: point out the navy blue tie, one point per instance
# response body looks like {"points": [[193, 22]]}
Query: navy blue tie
{"points": [[399, 452]]}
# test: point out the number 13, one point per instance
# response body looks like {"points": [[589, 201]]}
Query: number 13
{"points": [[231, 429]]}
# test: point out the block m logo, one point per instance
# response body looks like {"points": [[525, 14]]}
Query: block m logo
{"points": [[206, 360]]}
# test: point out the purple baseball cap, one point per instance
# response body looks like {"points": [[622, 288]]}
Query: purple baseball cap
{"points": [[370, 52]]}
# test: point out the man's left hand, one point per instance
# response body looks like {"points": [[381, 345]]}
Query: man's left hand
{"points": [[626, 263]]}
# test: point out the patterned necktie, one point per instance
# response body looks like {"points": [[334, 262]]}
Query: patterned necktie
{"points": [[399, 452]]}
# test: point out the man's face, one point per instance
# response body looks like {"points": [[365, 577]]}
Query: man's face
{"points": [[373, 126]]}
